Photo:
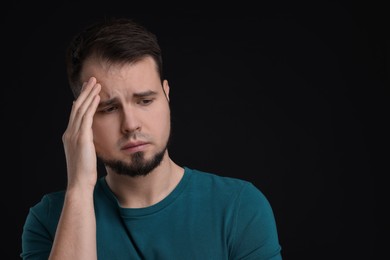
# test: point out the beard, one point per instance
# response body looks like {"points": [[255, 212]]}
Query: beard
{"points": [[139, 166]]}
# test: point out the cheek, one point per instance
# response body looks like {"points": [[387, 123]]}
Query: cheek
{"points": [[164, 123]]}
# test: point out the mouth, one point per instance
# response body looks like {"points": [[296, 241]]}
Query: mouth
{"points": [[134, 147]]}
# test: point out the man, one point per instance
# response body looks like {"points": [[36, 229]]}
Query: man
{"points": [[146, 206]]}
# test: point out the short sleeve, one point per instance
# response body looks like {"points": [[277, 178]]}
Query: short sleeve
{"points": [[39, 228], [254, 227]]}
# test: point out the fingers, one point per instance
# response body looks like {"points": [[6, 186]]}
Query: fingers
{"points": [[85, 106], [88, 114], [78, 137]]}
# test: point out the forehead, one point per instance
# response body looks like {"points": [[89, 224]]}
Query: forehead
{"points": [[94, 66], [137, 76]]}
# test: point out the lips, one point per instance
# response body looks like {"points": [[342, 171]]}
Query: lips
{"points": [[134, 146]]}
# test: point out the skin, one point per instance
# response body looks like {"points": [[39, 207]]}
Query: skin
{"points": [[112, 120]]}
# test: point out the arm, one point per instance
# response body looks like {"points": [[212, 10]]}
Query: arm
{"points": [[75, 236]]}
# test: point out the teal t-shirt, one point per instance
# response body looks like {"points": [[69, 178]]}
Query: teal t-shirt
{"points": [[206, 216]]}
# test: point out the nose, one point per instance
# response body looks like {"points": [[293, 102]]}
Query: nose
{"points": [[130, 122]]}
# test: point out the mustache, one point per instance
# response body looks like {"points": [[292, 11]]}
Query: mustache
{"points": [[134, 136]]}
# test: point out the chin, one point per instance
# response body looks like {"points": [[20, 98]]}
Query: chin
{"points": [[139, 165]]}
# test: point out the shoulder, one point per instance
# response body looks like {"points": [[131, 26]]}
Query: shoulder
{"points": [[42, 218], [251, 225], [215, 179], [49, 205], [225, 186], [52, 203]]}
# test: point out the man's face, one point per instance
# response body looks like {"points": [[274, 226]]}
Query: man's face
{"points": [[131, 126]]}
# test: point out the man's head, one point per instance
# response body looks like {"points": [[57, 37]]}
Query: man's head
{"points": [[131, 126]]}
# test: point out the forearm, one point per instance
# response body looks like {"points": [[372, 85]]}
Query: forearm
{"points": [[76, 231]]}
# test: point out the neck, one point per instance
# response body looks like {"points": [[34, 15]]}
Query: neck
{"points": [[144, 191]]}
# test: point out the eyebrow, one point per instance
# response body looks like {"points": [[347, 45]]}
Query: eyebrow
{"points": [[145, 94], [111, 101]]}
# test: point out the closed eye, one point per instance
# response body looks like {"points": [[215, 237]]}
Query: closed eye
{"points": [[108, 109]]}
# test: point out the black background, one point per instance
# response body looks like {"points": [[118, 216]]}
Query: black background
{"points": [[290, 96]]}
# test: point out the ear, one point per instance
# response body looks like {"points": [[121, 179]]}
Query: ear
{"points": [[166, 89]]}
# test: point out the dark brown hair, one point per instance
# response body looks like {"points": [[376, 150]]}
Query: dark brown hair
{"points": [[114, 40]]}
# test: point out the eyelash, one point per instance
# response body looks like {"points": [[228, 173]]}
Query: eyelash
{"points": [[142, 102], [145, 102], [108, 109]]}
